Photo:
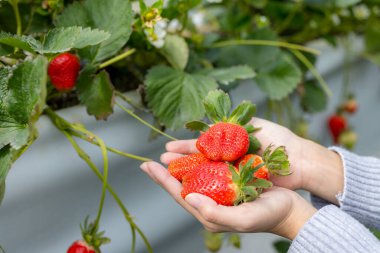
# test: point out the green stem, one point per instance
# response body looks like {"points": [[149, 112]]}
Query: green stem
{"points": [[128, 100], [2, 250], [130, 112], [125, 211], [265, 43], [16, 10], [117, 58], [313, 70]]}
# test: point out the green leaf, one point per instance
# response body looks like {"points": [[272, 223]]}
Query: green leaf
{"points": [[250, 193], [243, 113], [197, 126], [175, 51], [280, 78], [22, 96], [5, 50], [235, 175], [332, 3], [27, 43], [314, 98], [96, 93], [113, 16], [227, 75], [277, 161], [261, 183], [254, 145], [218, 105], [282, 246], [5, 165], [372, 37], [175, 97]]}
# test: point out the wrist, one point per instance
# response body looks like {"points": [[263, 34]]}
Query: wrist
{"points": [[322, 171]]}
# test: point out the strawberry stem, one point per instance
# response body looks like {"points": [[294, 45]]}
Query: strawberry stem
{"points": [[16, 10], [130, 112], [265, 43], [117, 58]]}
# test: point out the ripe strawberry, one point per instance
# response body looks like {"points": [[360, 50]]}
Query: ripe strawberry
{"points": [[224, 142], [350, 106], [63, 71], [262, 172], [337, 124], [183, 165], [80, 247], [223, 183]]}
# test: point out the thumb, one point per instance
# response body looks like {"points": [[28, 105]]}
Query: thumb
{"points": [[197, 200]]}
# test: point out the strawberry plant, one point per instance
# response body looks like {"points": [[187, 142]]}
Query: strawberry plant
{"points": [[59, 53]]}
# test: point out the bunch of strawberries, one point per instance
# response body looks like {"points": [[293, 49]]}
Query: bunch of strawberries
{"points": [[227, 168]]}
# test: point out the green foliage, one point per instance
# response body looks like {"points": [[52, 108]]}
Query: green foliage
{"points": [[176, 51], [228, 75], [314, 99]]}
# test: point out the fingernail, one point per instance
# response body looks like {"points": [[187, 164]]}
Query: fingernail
{"points": [[193, 200], [144, 166]]}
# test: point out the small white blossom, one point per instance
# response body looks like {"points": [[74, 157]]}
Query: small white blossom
{"points": [[335, 19], [361, 12], [197, 18], [156, 36], [174, 26]]}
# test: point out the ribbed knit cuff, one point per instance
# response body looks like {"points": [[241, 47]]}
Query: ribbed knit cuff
{"points": [[361, 194], [331, 230], [318, 202]]}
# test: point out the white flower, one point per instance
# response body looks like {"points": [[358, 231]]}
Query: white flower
{"points": [[361, 12], [156, 36], [335, 19], [198, 18], [174, 26]]}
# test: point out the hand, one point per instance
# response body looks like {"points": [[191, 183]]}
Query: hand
{"points": [[277, 210]]}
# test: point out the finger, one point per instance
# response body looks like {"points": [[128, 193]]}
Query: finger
{"points": [[182, 146], [167, 157]]}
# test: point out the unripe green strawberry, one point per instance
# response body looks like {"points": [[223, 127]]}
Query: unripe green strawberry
{"points": [[63, 71], [348, 139], [224, 142], [183, 165]]}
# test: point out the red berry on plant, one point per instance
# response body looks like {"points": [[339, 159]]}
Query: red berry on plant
{"points": [[63, 71], [350, 106], [80, 247], [183, 165], [337, 124]]}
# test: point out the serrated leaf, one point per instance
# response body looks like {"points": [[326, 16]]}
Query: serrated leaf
{"points": [[243, 113], [113, 16], [175, 97], [280, 78], [65, 38], [227, 75], [175, 51], [197, 126], [27, 43], [96, 92], [261, 183], [5, 165], [314, 99], [218, 105], [22, 97], [254, 145]]}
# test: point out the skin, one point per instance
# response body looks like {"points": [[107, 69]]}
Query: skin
{"points": [[279, 210]]}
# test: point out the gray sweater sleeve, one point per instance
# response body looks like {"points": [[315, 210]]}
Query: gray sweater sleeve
{"points": [[331, 230], [361, 194]]}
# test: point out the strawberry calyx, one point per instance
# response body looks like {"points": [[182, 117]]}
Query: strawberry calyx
{"points": [[248, 186], [92, 236], [277, 161]]}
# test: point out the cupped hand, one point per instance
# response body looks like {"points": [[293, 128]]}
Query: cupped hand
{"points": [[269, 133], [277, 210]]}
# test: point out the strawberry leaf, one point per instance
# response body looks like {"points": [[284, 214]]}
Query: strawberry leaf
{"points": [[228, 75], [218, 105], [261, 183], [254, 145], [96, 92], [176, 51], [175, 97], [27, 43], [5, 165], [250, 193], [197, 126], [243, 113], [235, 175], [277, 161], [112, 16]]}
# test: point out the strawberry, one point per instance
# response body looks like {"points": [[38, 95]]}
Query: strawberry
{"points": [[63, 71], [224, 142], [223, 183], [348, 139], [80, 247], [183, 165], [337, 124], [350, 106], [228, 139], [257, 160]]}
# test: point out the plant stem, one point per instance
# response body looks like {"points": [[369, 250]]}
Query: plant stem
{"points": [[265, 43], [117, 58], [127, 216], [130, 112], [313, 70], [16, 10], [128, 100]]}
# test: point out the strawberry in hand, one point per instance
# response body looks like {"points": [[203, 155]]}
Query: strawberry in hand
{"points": [[183, 165]]}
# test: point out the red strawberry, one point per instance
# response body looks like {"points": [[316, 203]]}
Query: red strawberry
{"points": [[222, 183], [262, 172], [63, 71], [80, 247], [337, 124], [183, 165], [350, 106], [224, 142]]}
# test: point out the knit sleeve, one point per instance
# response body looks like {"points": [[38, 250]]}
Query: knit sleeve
{"points": [[361, 194], [331, 230]]}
